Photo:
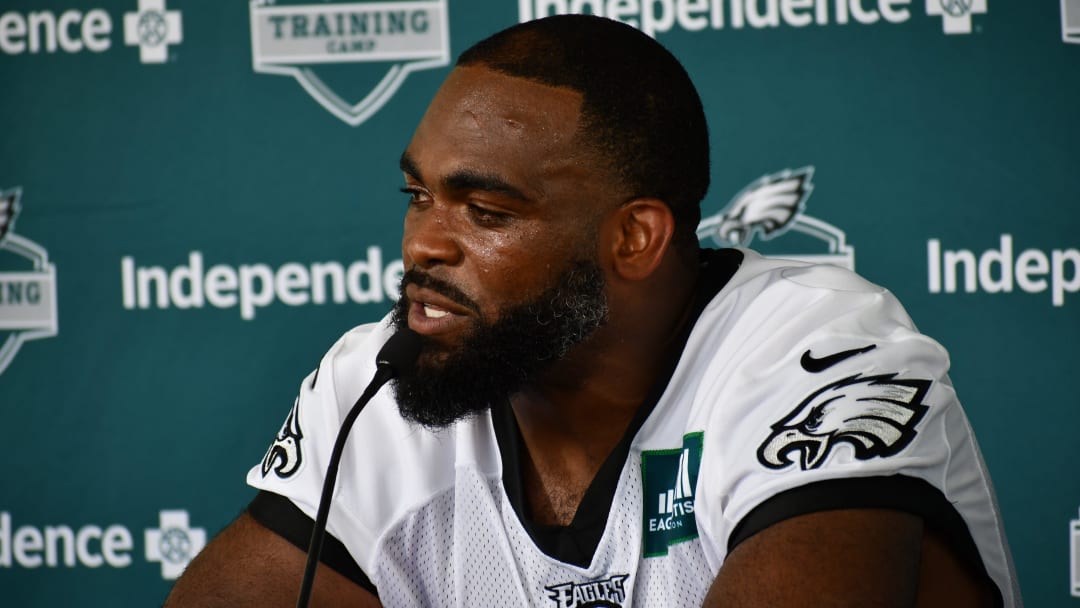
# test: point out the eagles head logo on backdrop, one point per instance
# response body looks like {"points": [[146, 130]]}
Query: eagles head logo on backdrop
{"points": [[773, 206], [350, 57]]}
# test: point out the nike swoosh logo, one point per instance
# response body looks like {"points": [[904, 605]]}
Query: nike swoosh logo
{"points": [[814, 365]]}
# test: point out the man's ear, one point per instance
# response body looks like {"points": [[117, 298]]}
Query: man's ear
{"points": [[643, 229]]}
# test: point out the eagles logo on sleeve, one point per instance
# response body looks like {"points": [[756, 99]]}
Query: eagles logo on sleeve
{"points": [[284, 456], [876, 415]]}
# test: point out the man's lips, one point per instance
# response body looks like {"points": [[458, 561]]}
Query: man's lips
{"points": [[432, 313], [435, 300]]}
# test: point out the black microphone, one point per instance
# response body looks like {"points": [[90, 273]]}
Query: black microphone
{"points": [[396, 357]]}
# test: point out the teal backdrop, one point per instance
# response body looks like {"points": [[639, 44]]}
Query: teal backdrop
{"points": [[207, 197]]}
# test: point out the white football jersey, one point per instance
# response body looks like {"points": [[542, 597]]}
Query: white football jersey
{"points": [[799, 388]]}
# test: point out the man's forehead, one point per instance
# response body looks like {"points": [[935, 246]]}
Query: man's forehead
{"points": [[490, 124], [488, 98]]}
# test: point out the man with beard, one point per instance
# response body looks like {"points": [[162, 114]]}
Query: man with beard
{"points": [[600, 413]]}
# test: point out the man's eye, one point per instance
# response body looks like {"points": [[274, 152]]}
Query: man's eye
{"points": [[415, 194], [488, 217]]}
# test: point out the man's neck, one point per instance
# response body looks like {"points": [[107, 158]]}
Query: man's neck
{"points": [[577, 412]]}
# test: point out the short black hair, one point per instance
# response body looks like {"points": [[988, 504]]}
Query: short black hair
{"points": [[640, 111]]}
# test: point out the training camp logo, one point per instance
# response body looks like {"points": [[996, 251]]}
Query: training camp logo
{"points": [[661, 16], [876, 415], [773, 206], [381, 42], [668, 479], [151, 27], [606, 593], [284, 456], [1070, 21], [27, 287]]}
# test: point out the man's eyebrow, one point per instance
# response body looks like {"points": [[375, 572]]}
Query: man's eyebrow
{"points": [[470, 180], [466, 179], [408, 166]]}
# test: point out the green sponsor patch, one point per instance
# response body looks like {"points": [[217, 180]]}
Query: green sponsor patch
{"points": [[668, 480]]}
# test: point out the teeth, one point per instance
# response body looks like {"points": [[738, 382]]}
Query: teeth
{"points": [[434, 313]]}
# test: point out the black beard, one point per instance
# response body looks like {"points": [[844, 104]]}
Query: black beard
{"points": [[496, 360]]}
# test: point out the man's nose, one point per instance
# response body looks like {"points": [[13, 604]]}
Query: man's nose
{"points": [[429, 238]]}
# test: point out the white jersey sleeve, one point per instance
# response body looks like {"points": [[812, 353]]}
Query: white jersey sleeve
{"points": [[389, 465], [821, 376], [294, 466]]}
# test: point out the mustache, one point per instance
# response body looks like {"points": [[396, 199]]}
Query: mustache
{"points": [[439, 286]]}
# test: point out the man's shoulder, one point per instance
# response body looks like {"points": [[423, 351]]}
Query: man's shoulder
{"points": [[349, 363], [773, 311], [357, 341], [758, 274], [391, 466], [768, 292]]}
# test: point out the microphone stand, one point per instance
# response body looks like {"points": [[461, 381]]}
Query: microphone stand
{"points": [[398, 354]]}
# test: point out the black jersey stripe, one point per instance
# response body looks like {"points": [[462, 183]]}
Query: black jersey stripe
{"points": [[281, 516], [898, 492]]}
